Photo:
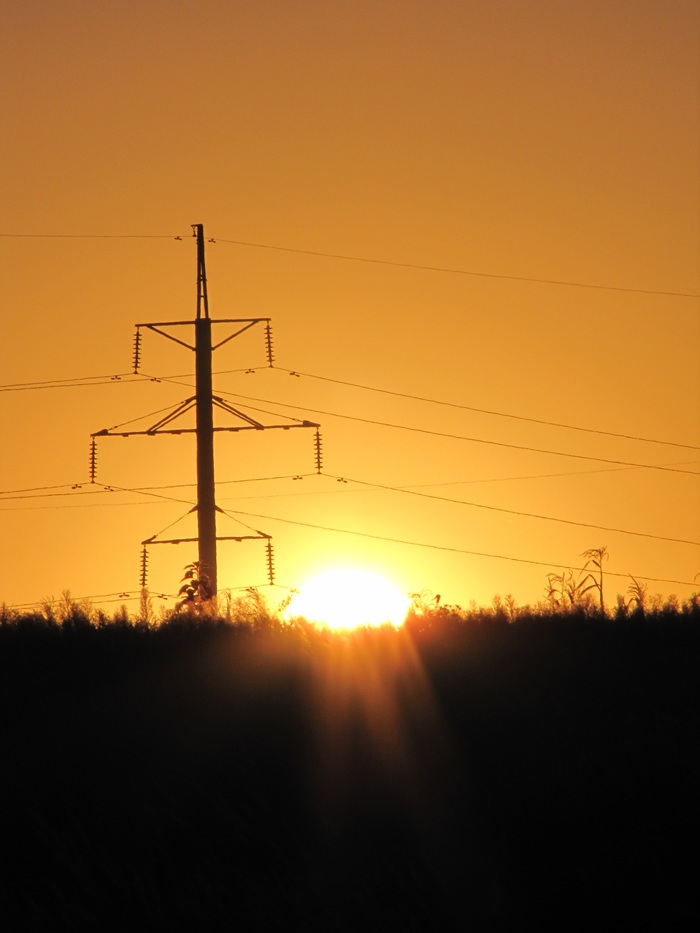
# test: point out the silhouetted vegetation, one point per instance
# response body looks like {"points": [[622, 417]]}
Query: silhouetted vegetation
{"points": [[479, 766]]}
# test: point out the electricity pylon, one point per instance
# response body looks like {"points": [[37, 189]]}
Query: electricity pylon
{"points": [[204, 402]]}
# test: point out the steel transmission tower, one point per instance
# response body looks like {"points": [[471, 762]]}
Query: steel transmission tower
{"points": [[204, 402]]}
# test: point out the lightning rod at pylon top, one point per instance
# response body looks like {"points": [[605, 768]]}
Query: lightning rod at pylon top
{"points": [[202, 297]]}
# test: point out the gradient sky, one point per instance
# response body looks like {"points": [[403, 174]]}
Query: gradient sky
{"points": [[528, 143]]}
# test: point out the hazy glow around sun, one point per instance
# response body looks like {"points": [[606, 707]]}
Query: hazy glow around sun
{"points": [[349, 598]]}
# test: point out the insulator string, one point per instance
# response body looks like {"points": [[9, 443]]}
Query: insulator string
{"points": [[270, 563], [137, 351], [319, 452], [144, 568], [93, 460], [268, 344]]}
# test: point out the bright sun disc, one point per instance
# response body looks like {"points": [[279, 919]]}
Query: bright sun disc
{"points": [[348, 599]]}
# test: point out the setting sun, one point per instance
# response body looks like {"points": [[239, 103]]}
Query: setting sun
{"points": [[350, 598]]}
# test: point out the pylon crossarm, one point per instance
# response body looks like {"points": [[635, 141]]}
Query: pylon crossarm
{"points": [[240, 320], [183, 407], [218, 538], [241, 330], [149, 433], [224, 406], [258, 425], [254, 427], [232, 430], [285, 427], [163, 333], [219, 320], [165, 324], [155, 428]]}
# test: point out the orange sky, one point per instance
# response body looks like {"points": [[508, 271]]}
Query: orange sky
{"points": [[529, 140]]}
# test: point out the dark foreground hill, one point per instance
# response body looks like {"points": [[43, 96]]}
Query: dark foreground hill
{"points": [[448, 776]]}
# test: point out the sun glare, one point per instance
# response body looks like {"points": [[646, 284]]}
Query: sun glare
{"points": [[344, 599]]}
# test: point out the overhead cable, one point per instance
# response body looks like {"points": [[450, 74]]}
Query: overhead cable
{"points": [[87, 381], [494, 508], [486, 411], [75, 489], [461, 437], [353, 258], [80, 383], [91, 236], [453, 271], [441, 547]]}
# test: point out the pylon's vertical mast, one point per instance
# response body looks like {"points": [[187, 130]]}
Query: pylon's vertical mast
{"points": [[206, 504]]}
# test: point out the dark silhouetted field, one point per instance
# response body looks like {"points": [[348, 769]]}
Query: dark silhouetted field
{"points": [[457, 774]]}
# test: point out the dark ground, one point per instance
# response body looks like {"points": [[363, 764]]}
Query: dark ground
{"points": [[471, 775]]}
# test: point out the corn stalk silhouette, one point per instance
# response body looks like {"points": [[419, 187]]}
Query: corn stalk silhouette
{"points": [[568, 589], [637, 593], [594, 558]]}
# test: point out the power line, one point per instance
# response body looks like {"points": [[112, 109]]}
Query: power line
{"points": [[124, 378], [41, 488], [369, 486], [99, 598], [91, 236], [149, 414], [174, 499], [41, 493], [103, 597], [49, 382], [126, 596], [353, 258], [104, 488], [143, 492], [510, 479], [494, 508], [234, 513], [76, 505], [463, 482], [74, 489], [88, 381], [452, 271], [8, 497], [79, 383], [461, 437], [457, 482], [486, 411], [455, 550]]}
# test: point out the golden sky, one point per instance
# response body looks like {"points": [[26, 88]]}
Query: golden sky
{"points": [[518, 144]]}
